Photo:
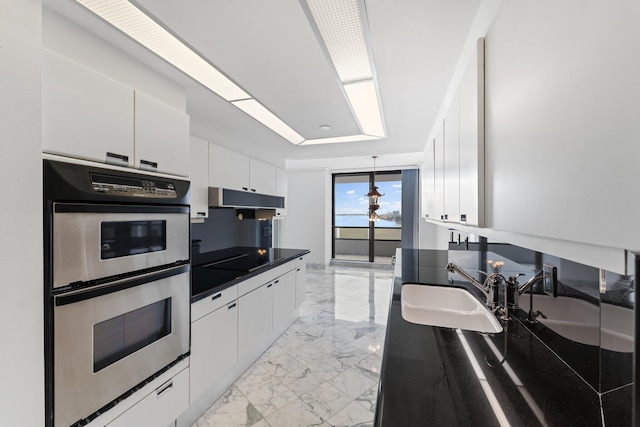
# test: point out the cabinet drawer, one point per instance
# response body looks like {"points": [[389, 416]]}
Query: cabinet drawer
{"points": [[255, 282], [161, 406], [213, 302]]}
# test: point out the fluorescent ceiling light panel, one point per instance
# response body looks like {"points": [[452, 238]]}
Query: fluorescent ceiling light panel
{"points": [[134, 23], [364, 101], [342, 29], [338, 139], [267, 118], [339, 23]]}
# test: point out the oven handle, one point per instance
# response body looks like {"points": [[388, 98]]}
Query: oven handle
{"points": [[98, 208], [118, 285]]}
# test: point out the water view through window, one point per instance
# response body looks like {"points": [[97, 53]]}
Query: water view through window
{"points": [[355, 238]]}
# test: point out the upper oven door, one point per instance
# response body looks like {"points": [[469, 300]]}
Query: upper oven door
{"points": [[93, 241]]}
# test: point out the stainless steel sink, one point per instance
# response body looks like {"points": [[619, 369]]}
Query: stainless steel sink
{"points": [[446, 307]]}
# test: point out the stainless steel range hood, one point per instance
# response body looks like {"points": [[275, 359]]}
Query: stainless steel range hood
{"points": [[227, 198]]}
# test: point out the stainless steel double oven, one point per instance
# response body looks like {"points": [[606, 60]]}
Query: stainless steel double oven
{"points": [[117, 290]]}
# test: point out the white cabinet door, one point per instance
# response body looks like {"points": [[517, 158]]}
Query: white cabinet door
{"points": [[301, 281], [452, 162], [438, 175], [281, 190], [284, 297], [228, 169], [199, 176], [255, 316], [262, 177], [472, 140], [214, 347], [161, 407], [161, 137], [427, 179], [85, 114]]}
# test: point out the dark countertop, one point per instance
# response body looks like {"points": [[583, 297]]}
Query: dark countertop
{"points": [[214, 271], [428, 378]]}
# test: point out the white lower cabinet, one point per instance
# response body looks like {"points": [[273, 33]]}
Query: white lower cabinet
{"points": [[214, 347], [255, 317], [284, 298], [301, 280], [161, 407]]}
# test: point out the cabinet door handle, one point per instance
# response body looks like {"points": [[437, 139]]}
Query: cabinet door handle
{"points": [[117, 159], [269, 285], [231, 306], [146, 164], [164, 388], [298, 269], [201, 213], [253, 189], [277, 281], [245, 188], [216, 296], [463, 217]]}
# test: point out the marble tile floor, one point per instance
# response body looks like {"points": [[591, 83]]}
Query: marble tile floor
{"points": [[324, 370]]}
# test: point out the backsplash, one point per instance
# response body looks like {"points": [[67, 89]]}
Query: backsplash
{"points": [[224, 230], [588, 325]]}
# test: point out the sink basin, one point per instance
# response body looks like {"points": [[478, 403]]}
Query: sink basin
{"points": [[446, 307]]}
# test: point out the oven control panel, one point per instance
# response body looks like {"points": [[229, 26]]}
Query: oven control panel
{"points": [[121, 186]]}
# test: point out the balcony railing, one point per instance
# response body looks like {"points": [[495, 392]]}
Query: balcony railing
{"points": [[353, 242]]}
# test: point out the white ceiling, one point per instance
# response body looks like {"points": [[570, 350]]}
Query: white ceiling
{"points": [[270, 49]]}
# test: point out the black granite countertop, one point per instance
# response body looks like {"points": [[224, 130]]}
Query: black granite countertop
{"points": [[214, 271], [434, 376]]}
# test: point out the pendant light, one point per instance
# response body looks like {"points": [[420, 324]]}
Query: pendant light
{"points": [[374, 196]]}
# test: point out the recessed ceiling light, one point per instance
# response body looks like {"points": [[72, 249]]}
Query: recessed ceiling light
{"points": [[325, 127]]}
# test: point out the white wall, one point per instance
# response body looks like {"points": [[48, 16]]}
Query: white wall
{"points": [[308, 221], [562, 128], [21, 309]]}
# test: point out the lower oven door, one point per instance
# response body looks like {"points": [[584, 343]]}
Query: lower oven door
{"points": [[109, 339]]}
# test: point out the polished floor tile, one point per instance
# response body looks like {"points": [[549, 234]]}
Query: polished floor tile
{"points": [[324, 370]]}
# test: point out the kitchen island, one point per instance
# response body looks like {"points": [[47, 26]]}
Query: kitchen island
{"points": [[434, 376]]}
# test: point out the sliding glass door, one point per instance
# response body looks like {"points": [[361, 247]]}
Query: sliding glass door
{"points": [[354, 236]]}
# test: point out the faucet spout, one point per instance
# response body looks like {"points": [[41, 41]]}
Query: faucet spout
{"points": [[452, 268], [489, 288], [529, 283]]}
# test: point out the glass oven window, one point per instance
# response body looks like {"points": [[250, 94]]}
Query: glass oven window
{"points": [[120, 336], [124, 238]]}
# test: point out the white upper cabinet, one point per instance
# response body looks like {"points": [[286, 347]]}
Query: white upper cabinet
{"points": [[85, 114], [472, 140], [228, 169], [438, 174], [89, 116], [262, 177], [281, 190], [427, 180], [457, 156], [161, 137], [452, 162], [199, 175]]}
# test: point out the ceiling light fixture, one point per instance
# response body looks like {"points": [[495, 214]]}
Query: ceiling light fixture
{"points": [[133, 22], [267, 118], [342, 28]]}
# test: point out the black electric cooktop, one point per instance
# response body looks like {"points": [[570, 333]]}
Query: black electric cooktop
{"points": [[213, 270]]}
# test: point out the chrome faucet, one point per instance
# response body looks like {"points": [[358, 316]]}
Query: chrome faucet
{"points": [[491, 286]]}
